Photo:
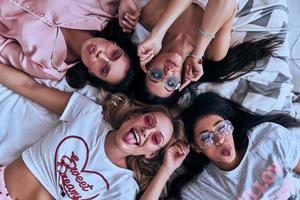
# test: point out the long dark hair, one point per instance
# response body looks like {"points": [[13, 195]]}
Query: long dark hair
{"points": [[78, 75], [241, 118], [240, 59]]}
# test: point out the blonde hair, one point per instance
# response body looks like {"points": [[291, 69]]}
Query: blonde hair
{"points": [[117, 107]]}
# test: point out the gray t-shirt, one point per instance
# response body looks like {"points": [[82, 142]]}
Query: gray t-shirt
{"points": [[265, 171]]}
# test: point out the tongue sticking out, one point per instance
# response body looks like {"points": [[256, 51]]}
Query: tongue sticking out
{"points": [[226, 151], [130, 138]]}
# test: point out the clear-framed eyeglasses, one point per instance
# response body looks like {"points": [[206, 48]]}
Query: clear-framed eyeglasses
{"points": [[222, 129]]}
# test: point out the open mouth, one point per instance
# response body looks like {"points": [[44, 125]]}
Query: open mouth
{"points": [[132, 137], [226, 151]]}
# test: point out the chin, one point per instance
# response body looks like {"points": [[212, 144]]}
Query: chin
{"points": [[229, 159]]}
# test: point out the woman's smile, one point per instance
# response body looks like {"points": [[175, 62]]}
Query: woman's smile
{"points": [[132, 137]]}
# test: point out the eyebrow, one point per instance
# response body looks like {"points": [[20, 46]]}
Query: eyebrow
{"points": [[159, 131], [108, 70], [213, 126], [162, 136]]}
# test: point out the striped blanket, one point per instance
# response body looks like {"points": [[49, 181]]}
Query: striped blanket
{"points": [[268, 88]]}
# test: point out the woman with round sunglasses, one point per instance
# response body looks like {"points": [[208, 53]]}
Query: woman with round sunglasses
{"points": [[107, 151], [190, 42], [47, 38], [237, 154]]}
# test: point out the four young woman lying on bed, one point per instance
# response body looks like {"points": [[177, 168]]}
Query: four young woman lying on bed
{"points": [[129, 147]]}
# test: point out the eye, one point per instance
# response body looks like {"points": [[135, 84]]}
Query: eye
{"points": [[149, 120], [115, 54], [223, 128], [156, 74], [105, 70], [171, 83], [205, 137], [156, 139]]}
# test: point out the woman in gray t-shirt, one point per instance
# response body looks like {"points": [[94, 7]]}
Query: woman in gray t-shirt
{"points": [[238, 154]]}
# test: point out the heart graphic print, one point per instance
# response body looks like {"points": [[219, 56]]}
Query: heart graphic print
{"points": [[77, 182]]}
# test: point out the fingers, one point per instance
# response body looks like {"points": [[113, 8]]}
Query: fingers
{"points": [[141, 50], [196, 76], [132, 16], [183, 148], [145, 55], [127, 27], [194, 69], [129, 21], [180, 148], [144, 52], [184, 84], [144, 60]]}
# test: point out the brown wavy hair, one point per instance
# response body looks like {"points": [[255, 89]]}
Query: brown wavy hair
{"points": [[117, 107]]}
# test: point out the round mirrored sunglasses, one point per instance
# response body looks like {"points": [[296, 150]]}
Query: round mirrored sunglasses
{"points": [[156, 74]]}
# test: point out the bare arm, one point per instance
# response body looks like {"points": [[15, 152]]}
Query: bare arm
{"points": [[156, 186], [172, 12], [173, 158], [216, 20], [21, 83], [216, 14]]}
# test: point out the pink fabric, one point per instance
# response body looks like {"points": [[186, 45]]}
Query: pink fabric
{"points": [[3, 191], [30, 35]]}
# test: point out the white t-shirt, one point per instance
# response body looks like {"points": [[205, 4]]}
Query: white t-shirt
{"points": [[265, 171], [70, 162]]}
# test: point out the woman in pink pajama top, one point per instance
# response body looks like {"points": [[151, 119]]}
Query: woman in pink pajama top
{"points": [[46, 38]]}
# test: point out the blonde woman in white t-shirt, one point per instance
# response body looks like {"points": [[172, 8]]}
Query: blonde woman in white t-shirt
{"points": [[87, 158]]}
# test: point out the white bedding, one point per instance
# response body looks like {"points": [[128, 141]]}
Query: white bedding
{"points": [[294, 41], [23, 122]]}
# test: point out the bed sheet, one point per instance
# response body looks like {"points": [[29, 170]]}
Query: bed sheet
{"points": [[23, 122], [294, 42]]}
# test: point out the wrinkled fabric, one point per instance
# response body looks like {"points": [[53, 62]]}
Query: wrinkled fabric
{"points": [[30, 35]]}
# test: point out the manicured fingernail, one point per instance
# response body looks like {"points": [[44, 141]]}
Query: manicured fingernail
{"points": [[125, 16], [123, 21]]}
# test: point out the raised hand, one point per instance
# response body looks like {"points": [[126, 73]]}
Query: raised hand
{"points": [[128, 15], [193, 70], [148, 49], [174, 156]]}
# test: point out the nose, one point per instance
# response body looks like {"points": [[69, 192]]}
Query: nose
{"points": [[168, 71], [169, 67], [145, 133], [218, 139], [103, 56]]}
